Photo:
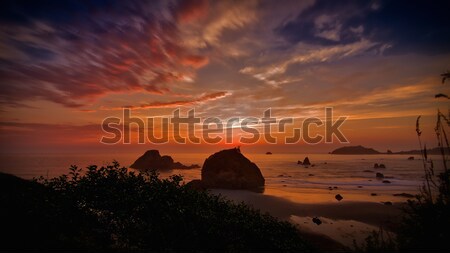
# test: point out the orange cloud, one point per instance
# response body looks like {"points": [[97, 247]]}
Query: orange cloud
{"points": [[170, 104], [195, 61]]}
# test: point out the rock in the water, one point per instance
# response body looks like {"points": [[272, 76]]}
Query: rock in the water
{"points": [[382, 166], [317, 221], [306, 161], [152, 160], [388, 203], [230, 169], [338, 197], [376, 166], [386, 182], [373, 194], [411, 158], [299, 162], [379, 175]]}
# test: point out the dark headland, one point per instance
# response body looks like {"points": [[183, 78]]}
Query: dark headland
{"points": [[360, 150], [354, 150]]}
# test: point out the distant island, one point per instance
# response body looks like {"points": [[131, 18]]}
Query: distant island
{"points": [[360, 150]]}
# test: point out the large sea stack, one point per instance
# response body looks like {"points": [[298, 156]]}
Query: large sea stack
{"points": [[229, 169]]}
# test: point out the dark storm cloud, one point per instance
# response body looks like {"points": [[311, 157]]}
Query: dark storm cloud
{"points": [[407, 26]]}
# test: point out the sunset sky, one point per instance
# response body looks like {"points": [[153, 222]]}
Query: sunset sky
{"points": [[67, 65]]}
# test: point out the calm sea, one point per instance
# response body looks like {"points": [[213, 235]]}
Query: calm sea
{"points": [[284, 178]]}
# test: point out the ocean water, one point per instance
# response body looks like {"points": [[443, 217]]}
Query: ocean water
{"points": [[345, 174]]}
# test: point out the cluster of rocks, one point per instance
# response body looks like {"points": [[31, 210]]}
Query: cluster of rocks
{"points": [[381, 176], [379, 166], [227, 169], [152, 160]]}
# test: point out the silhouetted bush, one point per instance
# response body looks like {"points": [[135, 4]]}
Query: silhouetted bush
{"points": [[111, 209], [426, 223]]}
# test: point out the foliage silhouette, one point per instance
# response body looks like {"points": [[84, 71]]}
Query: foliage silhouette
{"points": [[109, 208], [427, 220]]}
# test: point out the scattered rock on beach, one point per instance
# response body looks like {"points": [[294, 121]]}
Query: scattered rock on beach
{"points": [[379, 175], [317, 221], [338, 197], [387, 203]]}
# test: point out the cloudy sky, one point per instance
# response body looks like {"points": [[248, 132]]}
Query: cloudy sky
{"points": [[67, 65]]}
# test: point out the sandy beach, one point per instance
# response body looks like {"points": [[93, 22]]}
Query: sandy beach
{"points": [[343, 221]]}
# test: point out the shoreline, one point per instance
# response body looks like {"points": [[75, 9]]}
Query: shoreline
{"points": [[342, 222], [367, 212]]}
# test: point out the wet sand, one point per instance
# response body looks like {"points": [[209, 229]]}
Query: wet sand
{"points": [[367, 212], [343, 221]]}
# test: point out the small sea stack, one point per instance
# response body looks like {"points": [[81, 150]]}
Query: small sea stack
{"points": [[306, 161]]}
